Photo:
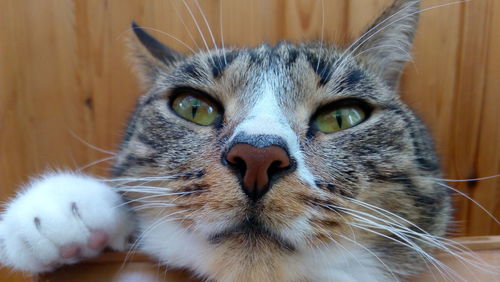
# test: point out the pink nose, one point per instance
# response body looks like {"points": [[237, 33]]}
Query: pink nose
{"points": [[257, 166]]}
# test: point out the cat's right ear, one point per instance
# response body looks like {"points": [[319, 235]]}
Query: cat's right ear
{"points": [[386, 44], [150, 56]]}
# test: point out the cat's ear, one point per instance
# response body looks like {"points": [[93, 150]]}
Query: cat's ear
{"points": [[150, 56], [386, 44]]}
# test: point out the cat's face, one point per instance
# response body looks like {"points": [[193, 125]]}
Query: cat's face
{"points": [[267, 152]]}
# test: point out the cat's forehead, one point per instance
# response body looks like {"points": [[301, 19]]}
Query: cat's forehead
{"points": [[281, 58], [294, 72]]}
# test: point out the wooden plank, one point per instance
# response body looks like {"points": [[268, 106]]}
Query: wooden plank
{"points": [[468, 110], [487, 192]]}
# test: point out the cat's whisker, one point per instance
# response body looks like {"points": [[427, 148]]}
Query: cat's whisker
{"points": [[152, 205], [474, 260], [412, 245], [142, 185], [468, 258], [446, 245], [141, 199], [185, 26], [198, 28], [465, 195], [149, 178], [208, 26], [387, 214], [80, 169], [441, 184], [322, 32], [472, 200], [221, 30], [465, 180], [392, 229], [143, 182], [135, 189], [436, 241], [74, 135]]}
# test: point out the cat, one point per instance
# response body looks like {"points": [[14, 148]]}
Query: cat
{"points": [[293, 162]]}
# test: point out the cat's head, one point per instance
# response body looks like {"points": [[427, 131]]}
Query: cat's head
{"points": [[265, 152]]}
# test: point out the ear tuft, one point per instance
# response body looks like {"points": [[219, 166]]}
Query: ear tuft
{"points": [[151, 57], [386, 44]]}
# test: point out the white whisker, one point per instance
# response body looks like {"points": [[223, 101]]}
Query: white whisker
{"points": [[412, 245], [443, 244], [322, 33], [472, 200], [198, 28], [73, 134], [94, 163], [142, 199], [468, 180], [185, 26], [129, 179], [221, 30], [206, 23]]}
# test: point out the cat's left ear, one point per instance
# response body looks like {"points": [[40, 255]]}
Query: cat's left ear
{"points": [[150, 56], [386, 44]]}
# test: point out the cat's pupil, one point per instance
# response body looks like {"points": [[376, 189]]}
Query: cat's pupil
{"points": [[195, 105], [338, 117]]}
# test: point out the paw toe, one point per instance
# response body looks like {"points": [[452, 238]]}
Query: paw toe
{"points": [[98, 239], [69, 251]]}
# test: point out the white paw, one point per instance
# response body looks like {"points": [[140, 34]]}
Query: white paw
{"points": [[60, 219]]}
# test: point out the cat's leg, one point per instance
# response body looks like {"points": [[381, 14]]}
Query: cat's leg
{"points": [[62, 218]]}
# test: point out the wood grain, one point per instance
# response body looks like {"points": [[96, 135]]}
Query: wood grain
{"points": [[64, 79]]}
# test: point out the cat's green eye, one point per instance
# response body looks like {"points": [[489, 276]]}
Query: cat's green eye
{"points": [[340, 118], [196, 109]]}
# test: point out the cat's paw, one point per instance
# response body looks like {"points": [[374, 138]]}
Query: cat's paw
{"points": [[61, 219]]}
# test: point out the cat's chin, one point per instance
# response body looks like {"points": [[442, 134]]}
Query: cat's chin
{"points": [[251, 233]]}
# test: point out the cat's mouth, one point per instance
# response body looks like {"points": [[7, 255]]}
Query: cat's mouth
{"points": [[251, 231]]}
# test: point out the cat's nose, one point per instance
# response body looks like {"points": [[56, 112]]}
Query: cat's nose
{"points": [[257, 166]]}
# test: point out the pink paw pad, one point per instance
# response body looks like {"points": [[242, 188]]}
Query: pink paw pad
{"points": [[69, 251], [98, 239]]}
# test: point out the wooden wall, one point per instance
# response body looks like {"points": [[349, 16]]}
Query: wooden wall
{"points": [[64, 77]]}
